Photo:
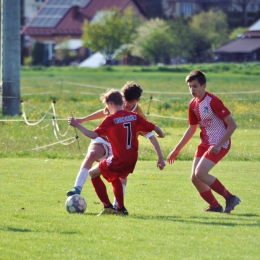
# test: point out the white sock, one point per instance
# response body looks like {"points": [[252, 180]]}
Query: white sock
{"points": [[81, 178], [115, 202]]}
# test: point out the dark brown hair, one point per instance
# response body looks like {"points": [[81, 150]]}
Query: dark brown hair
{"points": [[196, 75], [131, 91]]}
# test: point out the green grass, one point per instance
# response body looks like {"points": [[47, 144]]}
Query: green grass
{"points": [[76, 91], [166, 220]]}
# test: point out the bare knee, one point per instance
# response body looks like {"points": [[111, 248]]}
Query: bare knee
{"points": [[200, 174], [194, 179], [94, 154]]}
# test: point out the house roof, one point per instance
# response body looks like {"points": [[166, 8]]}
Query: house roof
{"points": [[53, 11], [253, 30], [66, 17], [255, 26], [97, 5], [243, 45]]}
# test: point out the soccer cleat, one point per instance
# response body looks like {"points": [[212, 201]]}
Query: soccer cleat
{"points": [[214, 209], [107, 211], [73, 192], [231, 202], [122, 211]]}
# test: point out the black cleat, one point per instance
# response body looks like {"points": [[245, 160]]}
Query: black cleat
{"points": [[214, 209], [231, 202]]}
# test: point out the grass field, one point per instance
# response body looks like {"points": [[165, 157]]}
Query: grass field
{"points": [[166, 220], [40, 158]]}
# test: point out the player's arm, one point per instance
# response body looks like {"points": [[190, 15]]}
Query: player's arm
{"points": [[184, 140], [160, 162], [96, 115], [89, 133], [231, 127], [159, 132]]}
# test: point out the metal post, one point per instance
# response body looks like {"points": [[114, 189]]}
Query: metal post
{"points": [[11, 56]]}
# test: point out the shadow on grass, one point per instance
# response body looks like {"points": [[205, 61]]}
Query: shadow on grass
{"points": [[22, 230], [25, 230], [240, 219]]}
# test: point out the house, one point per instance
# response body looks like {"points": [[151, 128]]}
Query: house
{"points": [[173, 8], [60, 20], [243, 49], [239, 12]]}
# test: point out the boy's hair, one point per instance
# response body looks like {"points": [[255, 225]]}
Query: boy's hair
{"points": [[131, 91], [113, 96], [196, 75]]}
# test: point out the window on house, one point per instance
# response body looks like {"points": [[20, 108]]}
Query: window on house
{"points": [[186, 8]]}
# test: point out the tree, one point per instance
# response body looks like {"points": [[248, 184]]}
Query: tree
{"points": [[182, 36], [109, 31], [243, 5], [153, 41], [187, 42], [211, 25], [238, 31], [38, 53]]}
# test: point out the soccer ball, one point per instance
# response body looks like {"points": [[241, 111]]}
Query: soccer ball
{"points": [[76, 204]]}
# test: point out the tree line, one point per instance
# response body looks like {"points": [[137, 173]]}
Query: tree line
{"points": [[117, 34], [124, 35]]}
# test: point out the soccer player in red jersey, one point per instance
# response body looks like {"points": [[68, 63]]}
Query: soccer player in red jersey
{"points": [[121, 129], [217, 126], [100, 148]]}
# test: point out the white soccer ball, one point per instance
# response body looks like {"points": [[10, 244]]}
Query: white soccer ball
{"points": [[76, 204]]}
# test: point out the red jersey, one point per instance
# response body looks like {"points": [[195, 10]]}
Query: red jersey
{"points": [[209, 114], [121, 130], [136, 109]]}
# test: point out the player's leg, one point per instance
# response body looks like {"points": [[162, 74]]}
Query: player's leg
{"points": [[101, 190], [204, 189], [207, 162], [118, 193], [95, 152], [123, 183]]}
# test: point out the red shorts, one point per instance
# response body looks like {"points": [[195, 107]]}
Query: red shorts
{"points": [[202, 151], [112, 169]]}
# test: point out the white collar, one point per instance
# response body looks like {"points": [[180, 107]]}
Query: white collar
{"points": [[134, 108]]}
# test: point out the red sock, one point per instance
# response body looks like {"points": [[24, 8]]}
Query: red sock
{"points": [[209, 197], [118, 192], [218, 187], [101, 190]]}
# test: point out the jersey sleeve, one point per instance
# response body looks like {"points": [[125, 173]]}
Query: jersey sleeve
{"points": [[103, 128], [192, 118], [219, 108], [144, 125]]}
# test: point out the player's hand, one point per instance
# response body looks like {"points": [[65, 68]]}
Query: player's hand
{"points": [[161, 135], [161, 163], [172, 155], [214, 149], [72, 121]]}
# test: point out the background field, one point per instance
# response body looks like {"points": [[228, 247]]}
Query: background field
{"points": [[40, 158], [166, 220], [165, 101]]}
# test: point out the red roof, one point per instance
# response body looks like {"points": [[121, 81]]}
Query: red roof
{"points": [[70, 21]]}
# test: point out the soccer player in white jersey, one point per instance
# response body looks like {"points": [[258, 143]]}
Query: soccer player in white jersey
{"points": [[100, 148], [217, 126]]}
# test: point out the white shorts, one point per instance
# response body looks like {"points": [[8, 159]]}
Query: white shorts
{"points": [[106, 145]]}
